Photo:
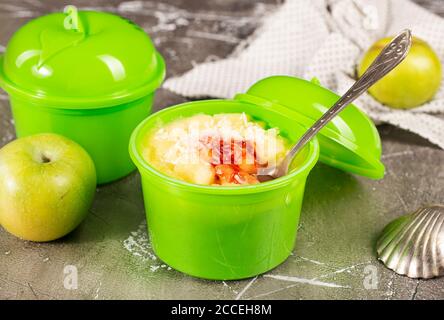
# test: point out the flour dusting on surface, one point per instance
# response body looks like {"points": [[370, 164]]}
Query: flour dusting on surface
{"points": [[138, 244]]}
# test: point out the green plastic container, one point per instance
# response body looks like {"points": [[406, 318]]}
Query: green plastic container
{"points": [[225, 233], [90, 76]]}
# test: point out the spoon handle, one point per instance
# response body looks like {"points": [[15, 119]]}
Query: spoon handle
{"points": [[387, 60]]}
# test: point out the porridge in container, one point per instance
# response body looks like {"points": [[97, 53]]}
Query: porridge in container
{"points": [[221, 149]]}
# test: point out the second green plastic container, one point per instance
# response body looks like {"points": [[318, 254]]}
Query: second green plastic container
{"points": [[87, 75]]}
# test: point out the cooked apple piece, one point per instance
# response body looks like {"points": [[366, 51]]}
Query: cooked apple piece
{"points": [[271, 151], [201, 173]]}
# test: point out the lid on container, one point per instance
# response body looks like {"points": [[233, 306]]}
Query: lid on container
{"points": [[79, 60], [349, 142]]}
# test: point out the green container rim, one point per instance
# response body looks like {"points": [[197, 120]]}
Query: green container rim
{"points": [[142, 165], [90, 102]]}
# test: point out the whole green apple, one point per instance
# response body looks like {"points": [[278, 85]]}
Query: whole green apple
{"points": [[414, 82], [47, 184]]}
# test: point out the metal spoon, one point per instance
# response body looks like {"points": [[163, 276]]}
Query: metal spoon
{"points": [[386, 61]]}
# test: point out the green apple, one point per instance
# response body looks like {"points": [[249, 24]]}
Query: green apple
{"points": [[414, 82], [47, 184]]}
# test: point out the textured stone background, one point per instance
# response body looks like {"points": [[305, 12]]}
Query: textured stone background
{"points": [[341, 218]]}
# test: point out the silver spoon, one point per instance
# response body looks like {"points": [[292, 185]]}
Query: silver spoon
{"points": [[386, 61]]}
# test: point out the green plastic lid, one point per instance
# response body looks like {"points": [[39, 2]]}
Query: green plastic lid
{"points": [[80, 60], [349, 142]]}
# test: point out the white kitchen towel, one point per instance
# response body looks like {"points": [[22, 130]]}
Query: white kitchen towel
{"points": [[324, 39]]}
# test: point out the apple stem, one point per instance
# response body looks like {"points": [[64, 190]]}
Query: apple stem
{"points": [[45, 159]]}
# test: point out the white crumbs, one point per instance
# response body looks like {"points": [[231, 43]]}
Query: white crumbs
{"points": [[138, 244]]}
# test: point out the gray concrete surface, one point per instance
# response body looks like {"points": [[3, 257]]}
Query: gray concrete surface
{"points": [[341, 218]]}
